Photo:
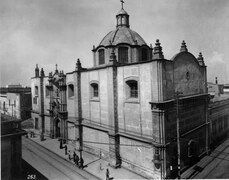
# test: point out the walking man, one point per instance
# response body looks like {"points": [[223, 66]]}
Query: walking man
{"points": [[81, 163], [107, 174], [76, 160], [66, 149]]}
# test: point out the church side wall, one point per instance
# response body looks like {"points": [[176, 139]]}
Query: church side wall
{"points": [[219, 121], [135, 116]]}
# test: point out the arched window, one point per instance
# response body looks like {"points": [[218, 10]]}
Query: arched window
{"points": [[132, 89], [191, 148], [94, 90], [144, 54], [47, 91], [101, 56], [70, 90], [36, 90], [123, 54]]}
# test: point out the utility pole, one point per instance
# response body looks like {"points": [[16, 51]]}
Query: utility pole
{"points": [[178, 134]]}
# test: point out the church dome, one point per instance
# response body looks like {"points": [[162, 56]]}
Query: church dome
{"points": [[122, 34]]}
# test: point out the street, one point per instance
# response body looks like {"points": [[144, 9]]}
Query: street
{"points": [[49, 164], [218, 168]]}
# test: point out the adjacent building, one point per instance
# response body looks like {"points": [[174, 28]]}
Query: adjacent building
{"points": [[15, 101], [11, 148], [131, 106]]}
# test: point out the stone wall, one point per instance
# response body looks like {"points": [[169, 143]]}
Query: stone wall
{"points": [[218, 113]]}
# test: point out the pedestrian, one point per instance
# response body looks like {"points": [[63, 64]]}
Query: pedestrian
{"points": [[76, 160], [66, 149], [69, 155], [107, 174], [61, 144], [74, 156], [81, 163]]}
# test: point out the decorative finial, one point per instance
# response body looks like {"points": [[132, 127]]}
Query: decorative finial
{"points": [[56, 71], [183, 47], [201, 59], [113, 59], [42, 72], [50, 74], [216, 80], [122, 2], [157, 53], [78, 65], [36, 71]]}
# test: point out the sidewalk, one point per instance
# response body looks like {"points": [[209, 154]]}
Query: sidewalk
{"points": [[96, 166]]}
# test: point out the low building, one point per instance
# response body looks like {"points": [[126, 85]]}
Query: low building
{"points": [[11, 148], [15, 101], [215, 89]]}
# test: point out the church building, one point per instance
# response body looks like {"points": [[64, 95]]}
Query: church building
{"points": [[133, 108]]}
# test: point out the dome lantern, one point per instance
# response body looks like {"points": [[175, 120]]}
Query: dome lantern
{"points": [[122, 17]]}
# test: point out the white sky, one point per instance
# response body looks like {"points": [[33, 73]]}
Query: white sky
{"points": [[46, 32]]}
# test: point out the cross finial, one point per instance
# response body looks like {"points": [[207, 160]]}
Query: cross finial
{"points": [[122, 1], [56, 66]]}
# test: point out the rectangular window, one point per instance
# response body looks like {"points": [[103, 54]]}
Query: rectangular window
{"points": [[95, 90], [132, 88], [35, 100]]}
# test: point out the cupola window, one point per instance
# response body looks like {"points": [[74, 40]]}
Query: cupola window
{"points": [[101, 56], [70, 90], [123, 54], [144, 54]]}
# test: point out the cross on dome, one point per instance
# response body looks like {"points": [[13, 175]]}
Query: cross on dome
{"points": [[122, 2]]}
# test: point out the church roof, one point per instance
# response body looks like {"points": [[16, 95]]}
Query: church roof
{"points": [[122, 35]]}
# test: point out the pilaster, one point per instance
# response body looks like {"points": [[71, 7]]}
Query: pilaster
{"points": [[79, 103], [114, 140], [158, 116], [42, 104]]}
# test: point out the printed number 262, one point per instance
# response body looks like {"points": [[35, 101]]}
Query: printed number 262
{"points": [[31, 176]]}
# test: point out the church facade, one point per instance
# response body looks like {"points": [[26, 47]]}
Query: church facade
{"points": [[131, 106]]}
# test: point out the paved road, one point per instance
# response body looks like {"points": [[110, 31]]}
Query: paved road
{"points": [[49, 164]]}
